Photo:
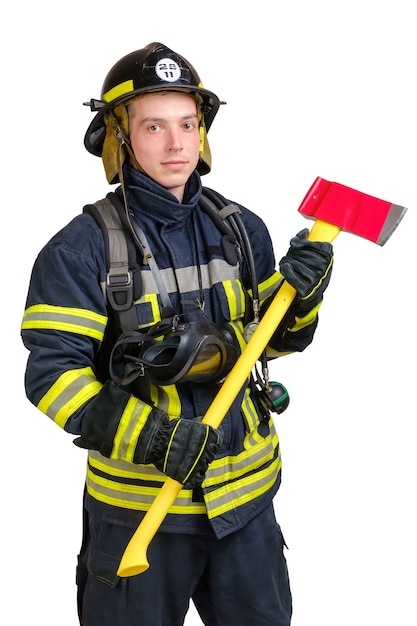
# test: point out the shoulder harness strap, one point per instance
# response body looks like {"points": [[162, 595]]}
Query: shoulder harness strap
{"points": [[123, 280]]}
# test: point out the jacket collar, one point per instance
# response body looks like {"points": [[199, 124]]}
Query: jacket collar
{"points": [[144, 195]]}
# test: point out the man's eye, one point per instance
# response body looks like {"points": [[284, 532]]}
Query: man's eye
{"points": [[188, 125], [154, 127]]}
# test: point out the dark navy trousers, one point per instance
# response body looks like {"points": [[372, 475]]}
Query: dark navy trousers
{"points": [[240, 580]]}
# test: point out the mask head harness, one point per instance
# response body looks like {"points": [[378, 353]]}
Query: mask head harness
{"points": [[155, 68]]}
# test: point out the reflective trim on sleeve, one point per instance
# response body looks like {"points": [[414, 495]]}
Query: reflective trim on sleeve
{"points": [[130, 426], [302, 322], [268, 287], [166, 398], [67, 319], [69, 392], [235, 298]]}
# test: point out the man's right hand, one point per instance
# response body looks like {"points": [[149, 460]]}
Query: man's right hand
{"points": [[185, 449], [180, 448]]}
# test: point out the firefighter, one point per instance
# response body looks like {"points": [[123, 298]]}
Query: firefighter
{"points": [[199, 288]]}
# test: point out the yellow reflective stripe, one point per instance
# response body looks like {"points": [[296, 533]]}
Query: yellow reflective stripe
{"points": [[114, 498], [166, 398], [238, 328], [72, 320], [68, 393], [274, 354], [152, 299], [242, 491], [229, 468], [302, 322], [252, 419], [122, 469], [119, 90], [130, 426], [269, 286], [235, 298], [115, 488], [133, 495]]}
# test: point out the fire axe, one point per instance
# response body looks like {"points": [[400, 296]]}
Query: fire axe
{"points": [[334, 208]]}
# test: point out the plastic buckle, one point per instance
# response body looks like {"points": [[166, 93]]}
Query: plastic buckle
{"points": [[120, 285]]}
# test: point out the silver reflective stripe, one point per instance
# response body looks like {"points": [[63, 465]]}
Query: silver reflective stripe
{"points": [[215, 272]]}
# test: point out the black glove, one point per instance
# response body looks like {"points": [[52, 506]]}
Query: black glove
{"points": [[307, 266], [180, 448], [187, 451]]}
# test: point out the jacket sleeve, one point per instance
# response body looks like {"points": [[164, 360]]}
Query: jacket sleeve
{"points": [[63, 328], [296, 330]]}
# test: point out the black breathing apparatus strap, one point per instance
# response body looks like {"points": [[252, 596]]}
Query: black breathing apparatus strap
{"points": [[230, 214]]}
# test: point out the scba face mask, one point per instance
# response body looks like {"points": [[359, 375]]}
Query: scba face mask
{"points": [[188, 352]]}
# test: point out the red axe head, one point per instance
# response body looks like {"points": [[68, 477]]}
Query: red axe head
{"points": [[352, 210]]}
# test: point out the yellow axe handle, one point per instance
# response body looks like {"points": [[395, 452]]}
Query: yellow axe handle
{"points": [[134, 560]]}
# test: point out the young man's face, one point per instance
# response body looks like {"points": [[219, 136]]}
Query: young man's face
{"points": [[165, 138]]}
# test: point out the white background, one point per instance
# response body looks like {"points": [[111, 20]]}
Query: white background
{"points": [[322, 88]]}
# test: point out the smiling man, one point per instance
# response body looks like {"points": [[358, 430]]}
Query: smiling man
{"points": [[131, 379]]}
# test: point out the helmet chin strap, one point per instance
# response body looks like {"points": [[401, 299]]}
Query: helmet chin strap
{"points": [[123, 140], [123, 148]]}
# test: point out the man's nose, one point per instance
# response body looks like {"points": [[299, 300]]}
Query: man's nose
{"points": [[174, 139]]}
